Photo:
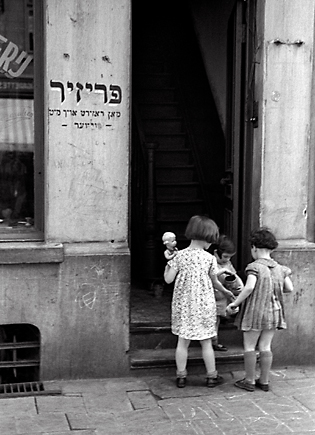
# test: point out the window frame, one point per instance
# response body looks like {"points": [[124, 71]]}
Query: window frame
{"points": [[35, 233]]}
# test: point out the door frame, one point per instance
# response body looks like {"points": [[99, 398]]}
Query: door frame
{"points": [[242, 119]]}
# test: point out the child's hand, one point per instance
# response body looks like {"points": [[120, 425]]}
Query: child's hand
{"points": [[170, 254], [231, 309]]}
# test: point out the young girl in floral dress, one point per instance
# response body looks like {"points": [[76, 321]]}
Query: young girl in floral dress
{"points": [[193, 305], [262, 312]]}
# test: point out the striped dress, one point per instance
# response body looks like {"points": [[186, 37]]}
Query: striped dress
{"points": [[264, 308]]}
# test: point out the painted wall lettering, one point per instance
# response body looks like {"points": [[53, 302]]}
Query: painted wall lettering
{"points": [[113, 96], [71, 114]]}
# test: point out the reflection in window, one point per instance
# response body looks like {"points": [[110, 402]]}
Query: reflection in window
{"points": [[16, 115]]}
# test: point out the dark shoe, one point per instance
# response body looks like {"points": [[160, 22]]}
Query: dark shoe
{"points": [[181, 382], [242, 383], [219, 347], [213, 382], [264, 387]]}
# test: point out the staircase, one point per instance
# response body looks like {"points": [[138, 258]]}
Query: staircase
{"points": [[177, 185], [178, 191], [152, 345]]}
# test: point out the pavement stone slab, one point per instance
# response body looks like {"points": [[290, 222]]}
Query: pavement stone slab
{"points": [[75, 432], [90, 421], [198, 427], [196, 410], [299, 421], [7, 425], [244, 407], [230, 426], [142, 418], [115, 402], [126, 384], [60, 404], [39, 424], [165, 387], [294, 372], [277, 405], [264, 425], [142, 399], [18, 405], [307, 399]]}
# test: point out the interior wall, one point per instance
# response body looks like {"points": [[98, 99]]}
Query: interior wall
{"points": [[211, 23]]}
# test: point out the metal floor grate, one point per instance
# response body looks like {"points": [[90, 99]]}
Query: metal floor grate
{"points": [[25, 389]]}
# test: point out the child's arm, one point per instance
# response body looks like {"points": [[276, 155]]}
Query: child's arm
{"points": [[288, 285], [247, 290], [169, 274], [218, 286]]}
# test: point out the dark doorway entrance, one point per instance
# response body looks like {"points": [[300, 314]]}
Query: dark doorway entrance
{"points": [[178, 144], [183, 140]]}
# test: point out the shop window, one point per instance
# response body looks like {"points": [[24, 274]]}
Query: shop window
{"points": [[20, 123]]}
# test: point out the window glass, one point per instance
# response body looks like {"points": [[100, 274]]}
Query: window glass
{"points": [[16, 116]]}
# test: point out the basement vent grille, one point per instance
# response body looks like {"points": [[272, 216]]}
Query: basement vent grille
{"points": [[25, 389]]}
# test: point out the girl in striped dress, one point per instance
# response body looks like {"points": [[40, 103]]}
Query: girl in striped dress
{"points": [[262, 312]]}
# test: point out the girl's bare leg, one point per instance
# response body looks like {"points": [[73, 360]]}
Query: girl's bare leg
{"points": [[250, 342], [208, 357], [181, 355]]}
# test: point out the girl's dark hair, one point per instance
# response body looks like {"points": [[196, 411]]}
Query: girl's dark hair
{"points": [[224, 245], [202, 228], [263, 238]]}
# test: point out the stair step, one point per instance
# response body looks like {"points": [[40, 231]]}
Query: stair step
{"points": [[164, 125], [155, 110], [156, 95], [151, 67], [179, 208], [159, 336], [168, 141], [178, 191], [158, 358], [153, 80], [174, 174], [169, 157]]}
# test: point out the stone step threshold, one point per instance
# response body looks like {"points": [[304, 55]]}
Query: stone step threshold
{"points": [[159, 358]]}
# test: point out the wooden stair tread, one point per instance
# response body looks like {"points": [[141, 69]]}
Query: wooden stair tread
{"points": [[178, 183], [179, 201]]}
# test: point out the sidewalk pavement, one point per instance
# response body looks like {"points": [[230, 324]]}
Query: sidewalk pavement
{"points": [[154, 405]]}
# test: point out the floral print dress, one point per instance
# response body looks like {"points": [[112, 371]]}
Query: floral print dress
{"points": [[193, 303]]}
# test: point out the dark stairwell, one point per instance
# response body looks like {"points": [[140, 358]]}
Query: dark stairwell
{"points": [[177, 164]]}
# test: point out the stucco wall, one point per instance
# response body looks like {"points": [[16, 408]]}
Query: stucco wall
{"points": [[284, 84], [79, 305], [286, 105], [295, 345], [74, 286], [87, 103]]}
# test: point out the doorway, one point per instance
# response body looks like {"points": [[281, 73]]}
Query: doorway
{"points": [[188, 134]]}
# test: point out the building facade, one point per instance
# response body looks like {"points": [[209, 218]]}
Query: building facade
{"points": [[66, 146]]}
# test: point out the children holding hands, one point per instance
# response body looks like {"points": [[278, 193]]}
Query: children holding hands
{"points": [[261, 308]]}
